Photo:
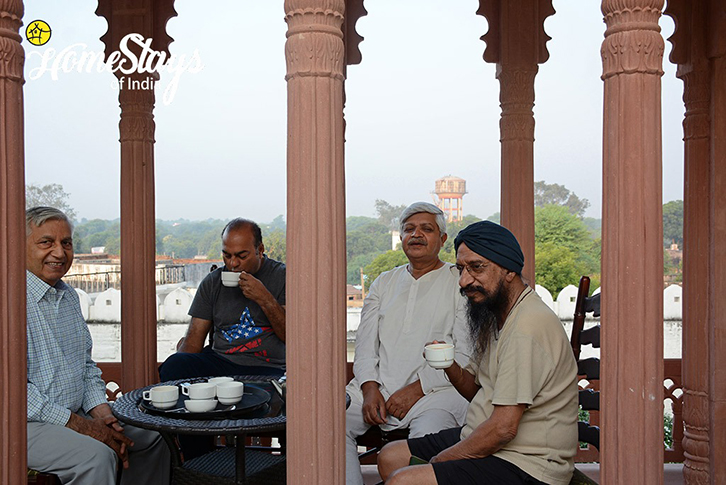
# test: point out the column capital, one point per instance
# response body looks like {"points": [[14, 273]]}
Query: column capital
{"points": [[354, 10], [506, 20], [516, 96], [314, 46], [137, 114], [633, 43], [12, 55], [145, 17]]}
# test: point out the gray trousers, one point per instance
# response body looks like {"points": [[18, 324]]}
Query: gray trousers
{"points": [[81, 460]]}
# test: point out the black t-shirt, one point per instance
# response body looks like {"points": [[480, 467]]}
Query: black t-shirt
{"points": [[242, 331]]}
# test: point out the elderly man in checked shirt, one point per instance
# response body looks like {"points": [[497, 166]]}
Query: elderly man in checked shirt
{"points": [[71, 431]]}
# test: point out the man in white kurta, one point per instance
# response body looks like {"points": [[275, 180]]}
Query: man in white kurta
{"points": [[404, 310]]}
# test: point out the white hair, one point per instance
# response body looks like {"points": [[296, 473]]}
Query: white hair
{"points": [[419, 207], [37, 216]]}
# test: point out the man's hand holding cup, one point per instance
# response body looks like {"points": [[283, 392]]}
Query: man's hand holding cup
{"points": [[439, 354]]}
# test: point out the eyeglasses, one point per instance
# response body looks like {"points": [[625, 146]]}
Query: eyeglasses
{"points": [[474, 269]]}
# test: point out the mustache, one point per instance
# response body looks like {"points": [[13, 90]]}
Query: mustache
{"points": [[470, 288]]}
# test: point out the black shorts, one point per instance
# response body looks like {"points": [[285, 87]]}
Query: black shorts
{"points": [[490, 470]]}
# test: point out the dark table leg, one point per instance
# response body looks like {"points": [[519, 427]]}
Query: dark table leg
{"points": [[176, 461], [240, 472]]}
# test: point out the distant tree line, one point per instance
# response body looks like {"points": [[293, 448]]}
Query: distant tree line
{"points": [[567, 245]]}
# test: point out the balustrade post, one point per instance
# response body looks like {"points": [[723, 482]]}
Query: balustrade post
{"points": [[632, 253], [314, 52], [13, 352]]}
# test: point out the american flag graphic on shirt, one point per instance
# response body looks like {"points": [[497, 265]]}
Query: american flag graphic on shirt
{"points": [[245, 329]]}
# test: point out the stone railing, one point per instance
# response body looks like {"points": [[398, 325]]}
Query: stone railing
{"points": [[672, 391]]}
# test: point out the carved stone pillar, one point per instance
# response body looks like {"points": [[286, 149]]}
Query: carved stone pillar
{"points": [[316, 223], [696, 241], [138, 230], [13, 353], [717, 257], [516, 42], [516, 126], [632, 254], [689, 52], [138, 237]]}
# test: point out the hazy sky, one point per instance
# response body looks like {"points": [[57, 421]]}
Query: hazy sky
{"points": [[422, 104]]}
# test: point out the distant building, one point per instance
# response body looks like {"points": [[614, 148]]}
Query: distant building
{"points": [[449, 194]]}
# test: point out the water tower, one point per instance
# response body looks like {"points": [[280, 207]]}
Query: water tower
{"points": [[449, 192]]}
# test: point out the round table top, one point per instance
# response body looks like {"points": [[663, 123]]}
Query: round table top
{"points": [[127, 410]]}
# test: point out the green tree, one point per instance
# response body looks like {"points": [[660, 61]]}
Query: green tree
{"points": [[448, 253], [673, 223], [366, 238], [389, 214], [383, 262], [51, 195], [557, 266], [275, 245], [548, 194], [564, 248]]}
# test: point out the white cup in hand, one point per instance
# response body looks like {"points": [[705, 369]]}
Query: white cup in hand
{"points": [[439, 356], [230, 278]]}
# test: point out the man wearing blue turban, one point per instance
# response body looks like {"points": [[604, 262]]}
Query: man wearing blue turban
{"points": [[521, 383]]}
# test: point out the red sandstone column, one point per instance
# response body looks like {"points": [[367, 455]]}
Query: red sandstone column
{"points": [[689, 52], [13, 354], [516, 42], [517, 164], [632, 255], [316, 253], [717, 259], [138, 237]]}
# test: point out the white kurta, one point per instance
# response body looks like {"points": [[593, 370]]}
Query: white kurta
{"points": [[400, 315]]}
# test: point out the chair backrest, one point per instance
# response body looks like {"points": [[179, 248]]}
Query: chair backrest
{"points": [[587, 368]]}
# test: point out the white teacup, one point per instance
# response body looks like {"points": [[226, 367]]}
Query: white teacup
{"points": [[219, 380], [230, 278], [162, 397], [439, 356], [200, 405], [230, 392], [200, 390]]}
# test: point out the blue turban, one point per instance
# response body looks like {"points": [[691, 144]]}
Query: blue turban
{"points": [[494, 242]]}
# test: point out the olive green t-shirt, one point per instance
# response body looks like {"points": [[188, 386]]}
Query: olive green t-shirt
{"points": [[531, 362]]}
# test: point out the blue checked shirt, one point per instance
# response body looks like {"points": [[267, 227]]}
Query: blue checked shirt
{"points": [[62, 377]]}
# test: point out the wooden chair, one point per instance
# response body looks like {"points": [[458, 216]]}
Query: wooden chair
{"points": [[589, 369]]}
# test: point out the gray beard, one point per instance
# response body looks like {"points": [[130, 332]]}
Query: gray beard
{"points": [[483, 323]]}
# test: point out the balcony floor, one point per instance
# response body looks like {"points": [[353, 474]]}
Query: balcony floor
{"points": [[673, 473]]}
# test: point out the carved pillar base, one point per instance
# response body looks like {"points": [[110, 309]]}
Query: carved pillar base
{"points": [[632, 254], [316, 223], [13, 353], [138, 237]]}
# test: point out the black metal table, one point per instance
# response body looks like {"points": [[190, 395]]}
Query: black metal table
{"points": [[227, 465]]}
